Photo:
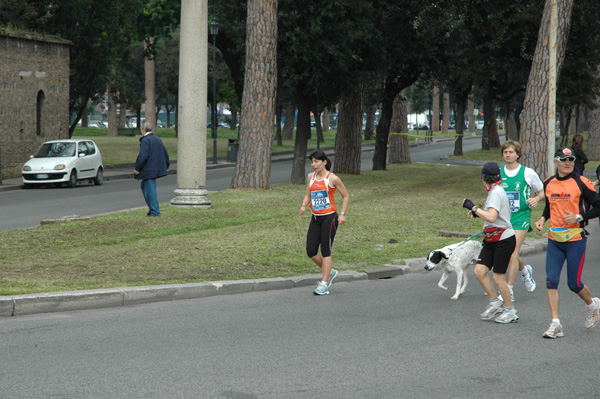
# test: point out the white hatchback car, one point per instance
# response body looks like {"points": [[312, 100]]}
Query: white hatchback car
{"points": [[64, 161]]}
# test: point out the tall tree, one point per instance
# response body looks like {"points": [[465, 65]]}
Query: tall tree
{"points": [[253, 167], [534, 134], [349, 138], [399, 151]]}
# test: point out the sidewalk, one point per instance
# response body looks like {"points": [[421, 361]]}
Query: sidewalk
{"points": [[27, 304]]}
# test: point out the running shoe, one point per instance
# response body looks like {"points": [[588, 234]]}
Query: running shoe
{"points": [[591, 317], [332, 275], [528, 278], [508, 316], [512, 296], [492, 310], [322, 289], [554, 331]]}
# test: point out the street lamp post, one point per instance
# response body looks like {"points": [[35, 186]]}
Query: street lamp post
{"points": [[214, 31]]}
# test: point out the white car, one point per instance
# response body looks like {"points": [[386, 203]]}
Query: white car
{"points": [[64, 161]]}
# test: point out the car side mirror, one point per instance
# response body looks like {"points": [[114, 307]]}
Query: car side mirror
{"points": [[81, 154]]}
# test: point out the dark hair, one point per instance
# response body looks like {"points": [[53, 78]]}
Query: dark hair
{"points": [[577, 141], [491, 179], [321, 156]]}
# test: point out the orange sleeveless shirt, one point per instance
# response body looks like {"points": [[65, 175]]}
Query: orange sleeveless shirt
{"points": [[322, 201]]}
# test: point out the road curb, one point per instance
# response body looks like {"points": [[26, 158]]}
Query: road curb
{"points": [[28, 304]]}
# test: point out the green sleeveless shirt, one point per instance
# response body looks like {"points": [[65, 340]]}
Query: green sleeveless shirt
{"points": [[518, 191]]}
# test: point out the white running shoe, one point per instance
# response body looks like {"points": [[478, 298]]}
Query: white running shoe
{"points": [[492, 310], [591, 317], [322, 289], [528, 278], [508, 316], [554, 331]]}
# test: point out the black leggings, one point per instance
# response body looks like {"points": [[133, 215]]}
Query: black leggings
{"points": [[321, 231]]}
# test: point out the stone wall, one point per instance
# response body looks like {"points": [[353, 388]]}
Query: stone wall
{"points": [[34, 96]]}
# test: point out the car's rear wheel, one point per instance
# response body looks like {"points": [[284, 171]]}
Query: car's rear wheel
{"points": [[72, 179], [99, 179]]}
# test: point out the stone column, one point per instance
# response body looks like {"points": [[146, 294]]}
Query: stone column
{"points": [[193, 69]]}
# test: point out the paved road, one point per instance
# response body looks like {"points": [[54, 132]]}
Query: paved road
{"points": [[27, 208], [395, 338]]}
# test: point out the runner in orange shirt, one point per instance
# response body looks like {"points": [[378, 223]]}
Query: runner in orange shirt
{"points": [[565, 194], [320, 195]]}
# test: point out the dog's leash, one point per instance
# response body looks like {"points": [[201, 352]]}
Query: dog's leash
{"points": [[470, 238]]}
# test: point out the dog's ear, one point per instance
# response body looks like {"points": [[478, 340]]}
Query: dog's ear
{"points": [[435, 256], [447, 255]]}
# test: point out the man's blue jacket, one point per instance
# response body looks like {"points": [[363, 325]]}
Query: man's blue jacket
{"points": [[153, 160]]}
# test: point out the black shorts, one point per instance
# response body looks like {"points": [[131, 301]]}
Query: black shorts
{"points": [[496, 255], [321, 233]]}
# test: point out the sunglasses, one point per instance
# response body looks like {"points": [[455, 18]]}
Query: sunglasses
{"points": [[565, 159]]}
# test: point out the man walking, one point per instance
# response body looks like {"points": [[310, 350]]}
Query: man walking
{"points": [[152, 162], [565, 193]]}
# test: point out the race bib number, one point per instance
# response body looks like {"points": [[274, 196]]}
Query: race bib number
{"points": [[320, 200], [514, 201]]}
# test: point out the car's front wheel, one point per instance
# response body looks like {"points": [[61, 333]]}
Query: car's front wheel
{"points": [[72, 179], [99, 179]]}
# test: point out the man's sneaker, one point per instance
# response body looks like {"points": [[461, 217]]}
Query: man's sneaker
{"points": [[508, 316], [591, 317], [528, 278], [332, 275], [492, 310], [322, 289], [554, 331]]}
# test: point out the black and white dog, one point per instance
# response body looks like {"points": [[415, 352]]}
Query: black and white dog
{"points": [[454, 258]]}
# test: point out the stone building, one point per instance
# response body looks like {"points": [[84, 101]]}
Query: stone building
{"points": [[34, 95]]}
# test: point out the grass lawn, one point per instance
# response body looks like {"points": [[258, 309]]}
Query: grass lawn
{"points": [[243, 235]]}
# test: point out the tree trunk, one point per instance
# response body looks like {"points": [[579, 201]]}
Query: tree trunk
{"points": [[471, 112], [318, 127], [461, 103], [593, 144], [580, 118], [288, 125], [326, 119], [489, 138], [253, 166], [150, 84], [302, 132], [390, 91], [446, 116], [349, 136], [510, 125], [113, 130], [278, 111], [534, 131], [435, 117], [398, 143], [460, 123], [122, 117], [370, 127], [85, 115]]}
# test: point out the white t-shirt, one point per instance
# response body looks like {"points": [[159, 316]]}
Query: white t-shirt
{"points": [[498, 200]]}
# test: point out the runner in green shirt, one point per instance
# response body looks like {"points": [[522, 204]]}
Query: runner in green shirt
{"points": [[520, 182]]}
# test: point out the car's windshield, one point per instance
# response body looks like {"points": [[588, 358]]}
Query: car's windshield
{"points": [[52, 150]]}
